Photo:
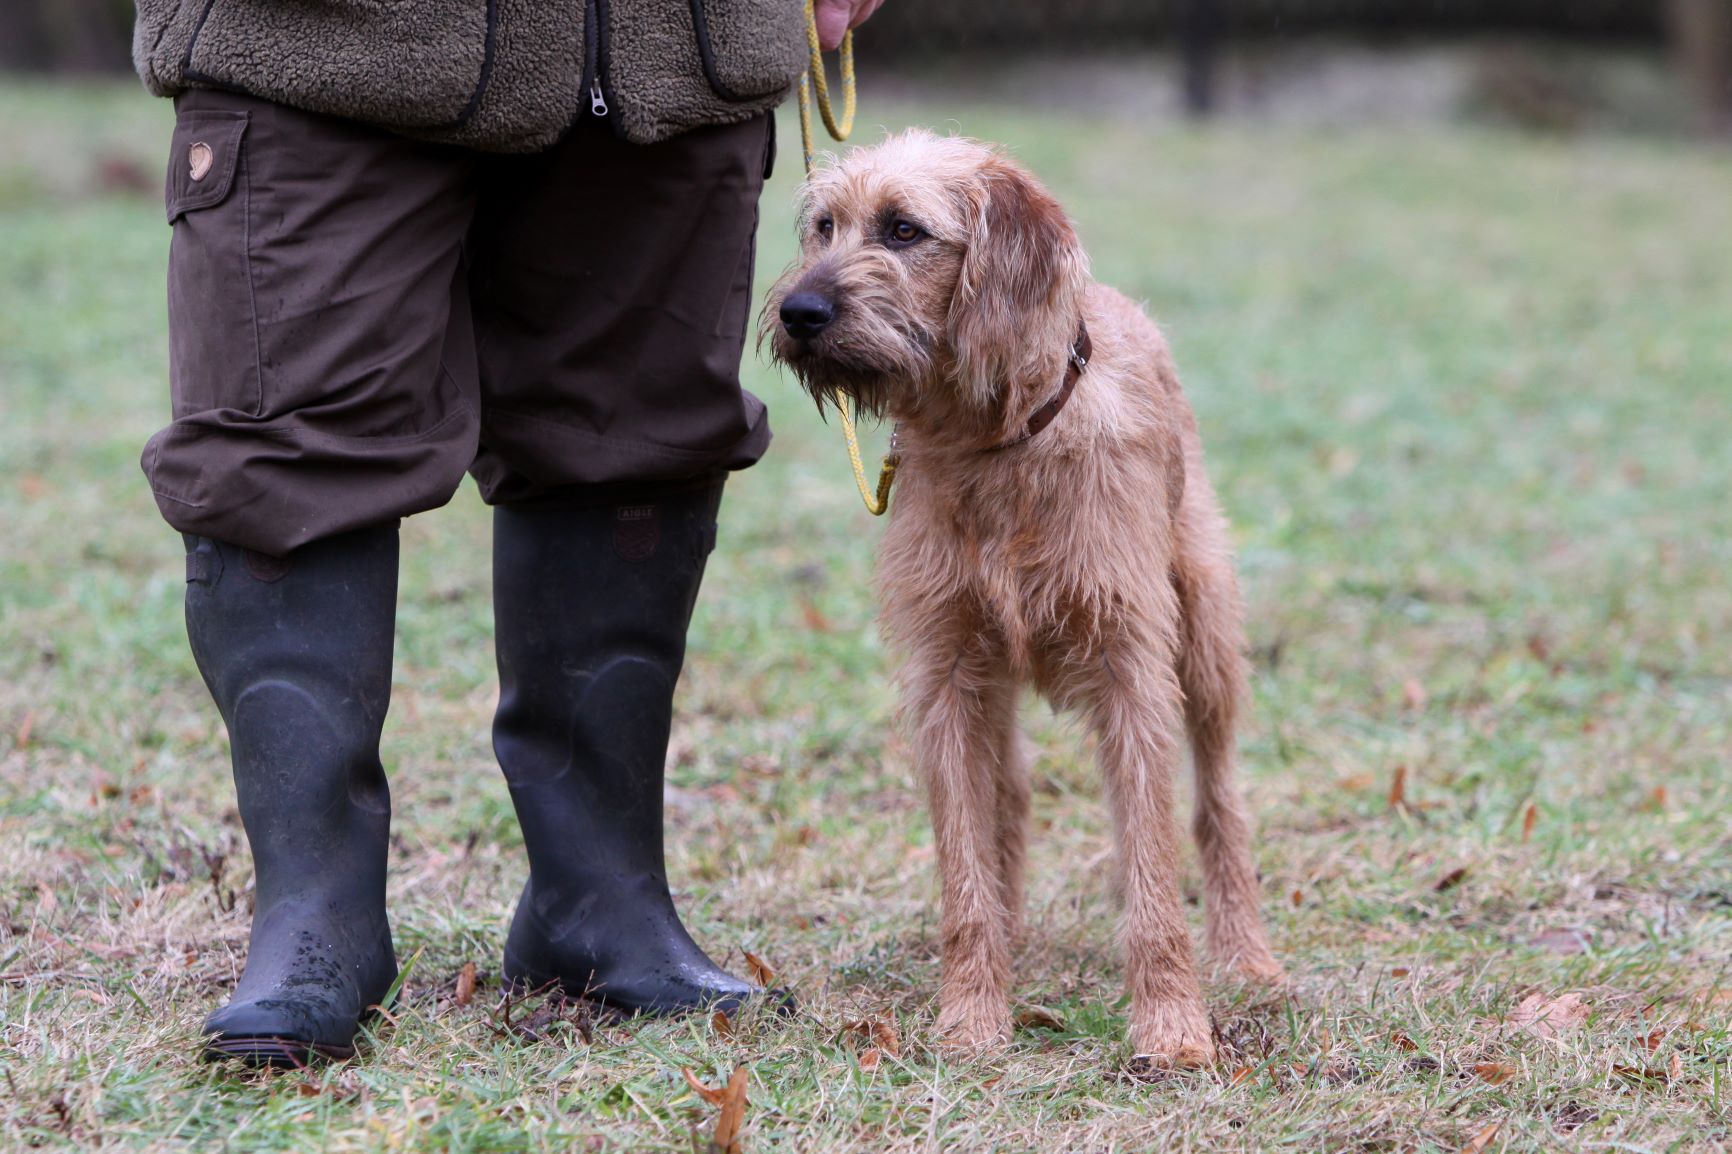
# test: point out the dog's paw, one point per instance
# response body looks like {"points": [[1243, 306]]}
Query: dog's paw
{"points": [[973, 1027], [1157, 1068], [1173, 1037]]}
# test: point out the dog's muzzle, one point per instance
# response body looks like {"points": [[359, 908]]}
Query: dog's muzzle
{"points": [[806, 314]]}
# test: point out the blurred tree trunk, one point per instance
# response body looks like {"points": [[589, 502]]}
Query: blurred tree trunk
{"points": [[23, 40], [1199, 31], [64, 35], [1702, 33]]}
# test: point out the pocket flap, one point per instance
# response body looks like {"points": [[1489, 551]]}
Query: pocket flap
{"points": [[202, 160]]}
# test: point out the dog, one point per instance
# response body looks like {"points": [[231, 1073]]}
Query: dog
{"points": [[1052, 526]]}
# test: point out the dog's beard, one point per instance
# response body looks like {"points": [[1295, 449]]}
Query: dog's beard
{"points": [[871, 373]]}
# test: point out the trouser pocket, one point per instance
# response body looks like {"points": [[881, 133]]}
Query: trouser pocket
{"points": [[213, 346]]}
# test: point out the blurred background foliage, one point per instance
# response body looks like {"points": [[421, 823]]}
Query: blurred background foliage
{"points": [[1644, 65]]}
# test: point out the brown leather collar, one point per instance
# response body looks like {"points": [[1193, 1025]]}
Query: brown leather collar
{"points": [[1080, 351]]}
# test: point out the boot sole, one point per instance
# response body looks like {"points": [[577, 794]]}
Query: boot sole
{"points": [[262, 1052], [524, 982]]}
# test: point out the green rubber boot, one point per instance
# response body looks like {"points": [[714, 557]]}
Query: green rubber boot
{"points": [[591, 605], [297, 654]]}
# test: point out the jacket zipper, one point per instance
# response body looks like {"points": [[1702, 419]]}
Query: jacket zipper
{"points": [[593, 15]]}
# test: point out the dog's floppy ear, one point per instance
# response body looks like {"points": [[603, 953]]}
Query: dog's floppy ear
{"points": [[1017, 300]]}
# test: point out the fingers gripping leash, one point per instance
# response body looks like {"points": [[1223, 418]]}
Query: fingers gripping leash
{"points": [[877, 503]]}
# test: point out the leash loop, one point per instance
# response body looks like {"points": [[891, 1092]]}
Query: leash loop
{"points": [[877, 503]]}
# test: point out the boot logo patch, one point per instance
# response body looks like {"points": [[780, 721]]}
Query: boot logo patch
{"points": [[266, 568], [637, 530]]}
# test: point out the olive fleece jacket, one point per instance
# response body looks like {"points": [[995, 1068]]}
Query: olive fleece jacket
{"points": [[497, 75]]}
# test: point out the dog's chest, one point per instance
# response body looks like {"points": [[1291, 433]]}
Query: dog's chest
{"points": [[1016, 565]]}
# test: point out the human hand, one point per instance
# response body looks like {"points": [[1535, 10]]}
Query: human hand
{"points": [[837, 16]]}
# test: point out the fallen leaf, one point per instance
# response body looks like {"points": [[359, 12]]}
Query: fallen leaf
{"points": [[342, 1087], [1400, 972], [713, 1096], [1239, 1075], [1297, 897], [814, 619], [1671, 1072], [1413, 693], [1356, 781], [1451, 879], [759, 969], [1398, 788], [1549, 1017], [1529, 817], [722, 1024], [25, 727], [877, 1032], [1654, 1037], [1030, 1017], [1561, 941], [1481, 1140], [870, 1057], [1403, 1042], [726, 1139], [760, 765], [465, 984], [1494, 1073]]}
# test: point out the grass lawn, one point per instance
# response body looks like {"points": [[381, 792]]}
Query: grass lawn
{"points": [[1468, 400]]}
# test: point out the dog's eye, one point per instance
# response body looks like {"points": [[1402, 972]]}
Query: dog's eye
{"points": [[904, 233], [826, 226]]}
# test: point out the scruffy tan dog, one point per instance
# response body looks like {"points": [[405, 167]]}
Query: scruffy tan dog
{"points": [[1052, 525]]}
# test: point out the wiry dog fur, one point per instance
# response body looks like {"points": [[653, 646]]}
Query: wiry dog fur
{"points": [[1090, 561]]}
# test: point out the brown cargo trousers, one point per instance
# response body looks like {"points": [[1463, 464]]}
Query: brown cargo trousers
{"points": [[357, 318]]}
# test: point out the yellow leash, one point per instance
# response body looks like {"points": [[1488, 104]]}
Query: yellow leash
{"points": [[876, 503]]}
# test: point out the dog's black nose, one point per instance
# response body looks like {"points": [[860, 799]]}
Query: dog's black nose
{"points": [[805, 315]]}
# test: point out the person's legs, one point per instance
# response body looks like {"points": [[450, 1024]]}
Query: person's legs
{"points": [[324, 386], [612, 284]]}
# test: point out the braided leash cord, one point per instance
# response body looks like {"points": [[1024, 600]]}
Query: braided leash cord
{"points": [[876, 503]]}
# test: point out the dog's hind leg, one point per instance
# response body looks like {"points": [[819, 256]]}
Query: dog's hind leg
{"points": [[1212, 673], [956, 701]]}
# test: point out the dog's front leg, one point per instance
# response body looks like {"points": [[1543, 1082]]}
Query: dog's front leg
{"points": [[1135, 711], [955, 705]]}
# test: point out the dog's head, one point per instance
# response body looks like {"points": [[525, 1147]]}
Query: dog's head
{"points": [[934, 276]]}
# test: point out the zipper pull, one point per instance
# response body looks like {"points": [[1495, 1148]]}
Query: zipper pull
{"points": [[597, 102]]}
